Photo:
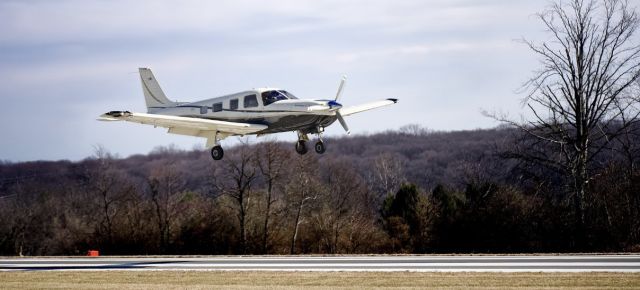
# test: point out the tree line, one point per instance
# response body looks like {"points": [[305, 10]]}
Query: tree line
{"points": [[263, 198]]}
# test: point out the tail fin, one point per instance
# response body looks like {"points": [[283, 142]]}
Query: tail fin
{"points": [[153, 95]]}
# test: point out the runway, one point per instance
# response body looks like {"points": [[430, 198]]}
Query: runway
{"points": [[533, 263]]}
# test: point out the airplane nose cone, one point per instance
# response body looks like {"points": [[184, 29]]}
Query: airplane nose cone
{"points": [[334, 105]]}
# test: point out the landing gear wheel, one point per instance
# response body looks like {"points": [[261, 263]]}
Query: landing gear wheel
{"points": [[320, 147], [301, 147], [217, 152]]}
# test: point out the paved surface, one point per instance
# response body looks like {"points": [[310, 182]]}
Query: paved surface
{"points": [[579, 263]]}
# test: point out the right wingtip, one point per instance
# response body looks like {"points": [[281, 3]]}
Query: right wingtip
{"points": [[393, 100]]}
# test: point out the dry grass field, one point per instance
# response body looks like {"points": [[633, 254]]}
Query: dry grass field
{"points": [[312, 280]]}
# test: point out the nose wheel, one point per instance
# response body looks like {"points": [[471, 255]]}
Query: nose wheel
{"points": [[320, 147], [216, 152]]}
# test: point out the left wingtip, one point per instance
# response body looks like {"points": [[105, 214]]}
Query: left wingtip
{"points": [[114, 115], [393, 100]]}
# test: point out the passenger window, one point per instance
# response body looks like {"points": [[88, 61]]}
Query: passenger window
{"points": [[217, 107], [233, 104], [203, 110], [250, 101]]}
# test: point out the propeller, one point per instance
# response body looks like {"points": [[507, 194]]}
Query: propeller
{"points": [[338, 94], [342, 122]]}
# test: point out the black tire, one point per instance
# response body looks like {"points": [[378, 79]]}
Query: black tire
{"points": [[320, 147], [217, 153], [301, 147]]}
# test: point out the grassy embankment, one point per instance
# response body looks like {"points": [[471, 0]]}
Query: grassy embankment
{"points": [[312, 280]]}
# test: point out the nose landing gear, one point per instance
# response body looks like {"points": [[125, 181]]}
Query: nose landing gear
{"points": [[216, 152], [320, 147]]}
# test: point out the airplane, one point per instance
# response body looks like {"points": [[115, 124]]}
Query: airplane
{"points": [[258, 111]]}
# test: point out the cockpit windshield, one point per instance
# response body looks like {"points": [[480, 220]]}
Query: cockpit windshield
{"points": [[272, 96]]}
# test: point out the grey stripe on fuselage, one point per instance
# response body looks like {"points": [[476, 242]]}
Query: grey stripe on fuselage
{"points": [[308, 124]]}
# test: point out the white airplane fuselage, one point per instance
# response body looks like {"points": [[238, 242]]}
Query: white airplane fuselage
{"points": [[286, 115]]}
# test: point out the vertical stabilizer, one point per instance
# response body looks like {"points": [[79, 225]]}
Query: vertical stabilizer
{"points": [[153, 94]]}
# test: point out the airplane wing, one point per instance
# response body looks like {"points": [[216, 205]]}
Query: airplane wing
{"points": [[185, 125], [365, 107]]}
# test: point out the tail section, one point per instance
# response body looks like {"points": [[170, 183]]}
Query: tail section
{"points": [[153, 95]]}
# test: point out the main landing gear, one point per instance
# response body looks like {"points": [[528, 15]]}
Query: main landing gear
{"points": [[301, 145]]}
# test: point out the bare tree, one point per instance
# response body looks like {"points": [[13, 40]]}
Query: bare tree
{"points": [[108, 186], [578, 96], [387, 174], [345, 200], [302, 189], [166, 185], [136, 214], [414, 130], [628, 145], [272, 161], [236, 182]]}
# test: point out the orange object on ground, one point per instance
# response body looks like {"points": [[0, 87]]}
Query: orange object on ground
{"points": [[93, 253]]}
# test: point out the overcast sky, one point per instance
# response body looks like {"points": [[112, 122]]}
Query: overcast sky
{"points": [[63, 63]]}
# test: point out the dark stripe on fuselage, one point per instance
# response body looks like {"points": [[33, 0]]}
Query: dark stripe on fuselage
{"points": [[226, 110]]}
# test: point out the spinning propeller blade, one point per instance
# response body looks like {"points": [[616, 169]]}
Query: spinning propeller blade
{"points": [[344, 78], [338, 94], [342, 122]]}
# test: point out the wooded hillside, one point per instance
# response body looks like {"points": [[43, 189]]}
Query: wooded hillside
{"points": [[405, 191]]}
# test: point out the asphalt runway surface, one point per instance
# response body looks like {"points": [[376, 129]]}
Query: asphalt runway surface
{"points": [[533, 263]]}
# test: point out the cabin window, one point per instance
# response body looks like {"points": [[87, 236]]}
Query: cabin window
{"points": [[269, 97], [233, 104], [250, 101], [217, 107], [203, 110]]}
